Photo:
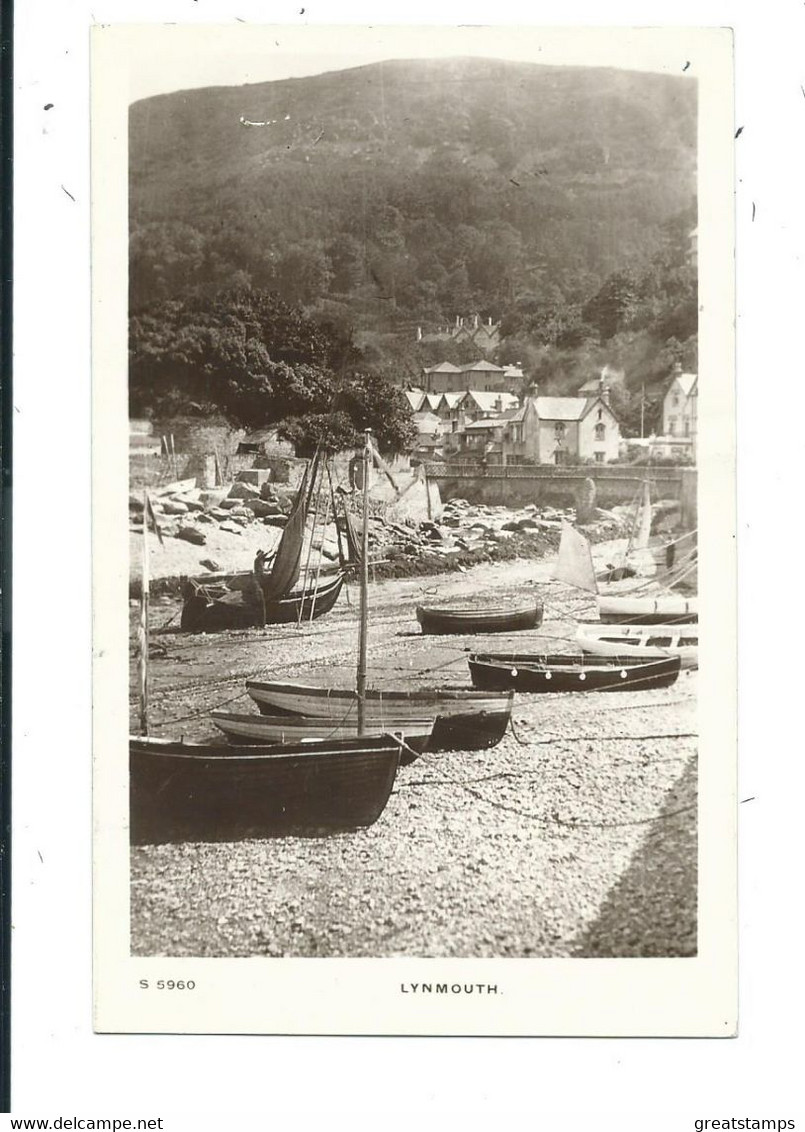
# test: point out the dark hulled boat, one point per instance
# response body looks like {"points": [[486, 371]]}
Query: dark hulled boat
{"points": [[468, 620], [528, 672], [216, 792], [209, 608]]}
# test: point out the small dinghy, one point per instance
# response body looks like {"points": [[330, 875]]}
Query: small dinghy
{"points": [[468, 620], [215, 792], [642, 642], [665, 609], [266, 729], [464, 720], [529, 672]]}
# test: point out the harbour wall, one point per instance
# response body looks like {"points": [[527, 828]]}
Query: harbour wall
{"points": [[548, 485]]}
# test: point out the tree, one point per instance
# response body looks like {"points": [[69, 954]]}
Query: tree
{"points": [[261, 362]]}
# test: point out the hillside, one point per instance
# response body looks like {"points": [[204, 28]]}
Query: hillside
{"points": [[407, 192]]}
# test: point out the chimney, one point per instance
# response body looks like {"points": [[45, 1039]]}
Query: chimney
{"points": [[458, 322], [475, 322], [489, 321], [603, 390], [532, 392], [419, 334], [677, 367]]}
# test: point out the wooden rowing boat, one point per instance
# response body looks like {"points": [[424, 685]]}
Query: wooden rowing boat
{"points": [[465, 720], [469, 620], [212, 608], [215, 792], [531, 672], [268, 729], [641, 642], [665, 609]]}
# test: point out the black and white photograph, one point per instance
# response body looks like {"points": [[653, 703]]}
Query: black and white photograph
{"points": [[398, 334]]}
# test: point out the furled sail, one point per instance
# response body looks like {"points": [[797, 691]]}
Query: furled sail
{"points": [[575, 562], [287, 562]]}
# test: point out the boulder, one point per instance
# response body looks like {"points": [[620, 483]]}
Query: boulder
{"points": [[136, 502], [174, 507], [267, 492], [212, 497], [209, 564], [240, 490], [254, 476], [192, 534], [262, 507], [190, 503], [219, 513], [232, 527], [274, 520], [240, 513], [203, 517]]}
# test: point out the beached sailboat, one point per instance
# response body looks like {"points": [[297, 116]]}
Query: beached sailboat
{"points": [[534, 672], [461, 720], [267, 596], [215, 791]]}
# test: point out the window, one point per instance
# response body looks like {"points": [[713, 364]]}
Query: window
{"points": [[559, 428], [675, 400], [599, 457], [687, 428], [600, 414], [672, 426], [600, 431]]}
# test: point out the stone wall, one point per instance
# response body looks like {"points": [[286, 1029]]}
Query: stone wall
{"points": [[545, 485]]}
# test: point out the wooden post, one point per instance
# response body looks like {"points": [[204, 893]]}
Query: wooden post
{"points": [[364, 622]]}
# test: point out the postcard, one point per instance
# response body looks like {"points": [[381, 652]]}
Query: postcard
{"points": [[408, 507]]}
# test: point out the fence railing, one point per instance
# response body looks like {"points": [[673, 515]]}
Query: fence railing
{"points": [[553, 472]]}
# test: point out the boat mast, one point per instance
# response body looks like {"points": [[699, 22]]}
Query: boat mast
{"points": [[364, 624]]}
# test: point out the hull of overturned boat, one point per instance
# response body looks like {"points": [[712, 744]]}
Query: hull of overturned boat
{"points": [[444, 620]]}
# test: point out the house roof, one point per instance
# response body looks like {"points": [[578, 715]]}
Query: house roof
{"points": [[489, 400], [453, 399], [427, 422], [432, 400], [443, 367], [562, 408], [686, 381], [415, 397], [489, 424], [484, 366]]}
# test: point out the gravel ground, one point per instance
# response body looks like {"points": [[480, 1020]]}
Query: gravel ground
{"points": [[576, 836]]}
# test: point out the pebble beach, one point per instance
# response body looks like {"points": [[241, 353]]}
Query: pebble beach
{"points": [[574, 837]]}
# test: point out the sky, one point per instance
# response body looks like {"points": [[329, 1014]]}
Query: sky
{"points": [[164, 58]]}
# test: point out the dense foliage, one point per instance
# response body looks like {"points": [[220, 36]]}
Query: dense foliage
{"points": [[555, 199], [247, 354]]}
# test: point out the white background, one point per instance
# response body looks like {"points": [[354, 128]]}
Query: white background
{"points": [[60, 1067]]}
